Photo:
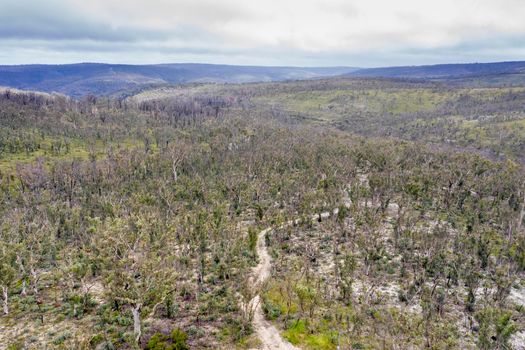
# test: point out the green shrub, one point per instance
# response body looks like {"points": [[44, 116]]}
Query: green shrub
{"points": [[157, 342], [61, 338], [272, 311], [179, 339], [176, 341], [96, 339], [15, 346]]}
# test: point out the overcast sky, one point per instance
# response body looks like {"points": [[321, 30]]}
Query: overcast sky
{"points": [[362, 33]]}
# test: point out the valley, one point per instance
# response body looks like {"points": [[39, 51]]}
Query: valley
{"points": [[342, 212]]}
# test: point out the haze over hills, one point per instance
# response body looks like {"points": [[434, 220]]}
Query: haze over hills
{"points": [[81, 79], [102, 79], [444, 71]]}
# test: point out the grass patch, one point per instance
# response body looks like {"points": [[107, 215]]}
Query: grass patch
{"points": [[76, 150], [299, 334]]}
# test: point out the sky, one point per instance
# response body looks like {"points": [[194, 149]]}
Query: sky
{"points": [[364, 33]]}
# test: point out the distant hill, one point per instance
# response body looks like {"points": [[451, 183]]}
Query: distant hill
{"points": [[469, 71], [81, 79], [103, 79]]}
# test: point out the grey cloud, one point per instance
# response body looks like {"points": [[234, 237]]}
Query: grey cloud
{"points": [[228, 31], [145, 52], [57, 20]]}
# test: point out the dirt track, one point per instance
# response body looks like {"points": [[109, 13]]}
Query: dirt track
{"points": [[269, 334]]}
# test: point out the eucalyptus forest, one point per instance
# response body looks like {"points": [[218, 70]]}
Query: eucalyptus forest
{"points": [[338, 213]]}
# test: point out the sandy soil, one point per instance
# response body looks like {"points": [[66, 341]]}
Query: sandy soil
{"points": [[269, 334]]}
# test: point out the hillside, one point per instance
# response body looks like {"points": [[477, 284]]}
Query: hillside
{"points": [[485, 71], [350, 213], [78, 80], [488, 120]]}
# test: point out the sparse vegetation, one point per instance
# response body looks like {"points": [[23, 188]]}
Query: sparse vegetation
{"points": [[135, 223]]}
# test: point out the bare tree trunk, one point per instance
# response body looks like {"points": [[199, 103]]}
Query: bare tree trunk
{"points": [[34, 281], [175, 174], [23, 272], [24, 291], [136, 322], [522, 214], [6, 303]]}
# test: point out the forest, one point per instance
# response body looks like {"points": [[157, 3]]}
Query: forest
{"points": [[344, 213]]}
